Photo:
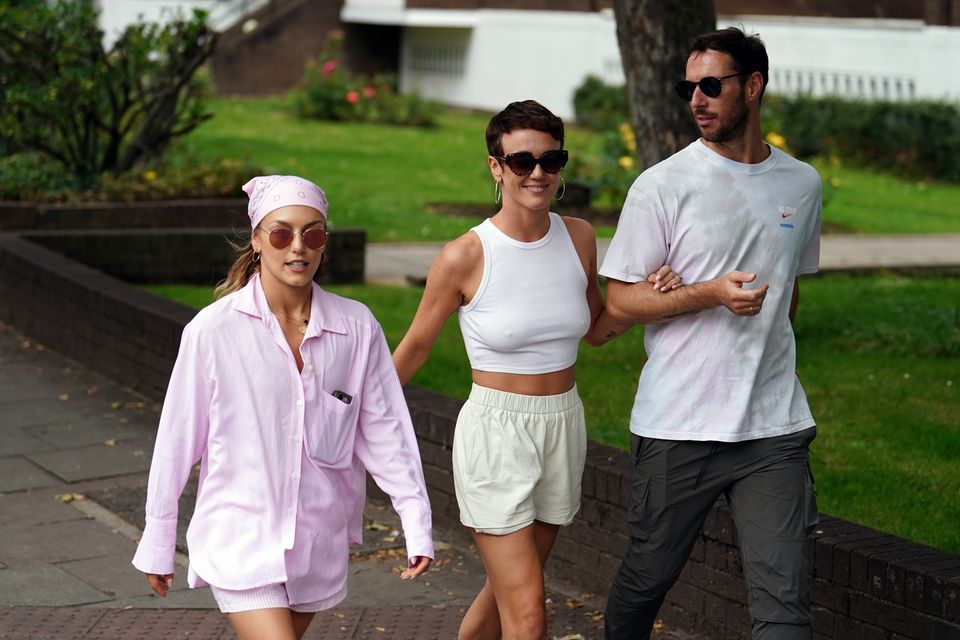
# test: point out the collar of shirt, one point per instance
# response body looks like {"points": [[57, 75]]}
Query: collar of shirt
{"points": [[323, 313]]}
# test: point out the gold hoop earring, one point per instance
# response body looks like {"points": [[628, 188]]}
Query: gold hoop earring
{"points": [[563, 189], [496, 191], [256, 257]]}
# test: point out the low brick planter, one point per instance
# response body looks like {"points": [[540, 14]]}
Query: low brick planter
{"points": [[228, 213], [866, 585], [185, 256]]}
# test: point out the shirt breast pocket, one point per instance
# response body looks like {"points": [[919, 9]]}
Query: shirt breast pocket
{"points": [[330, 441]]}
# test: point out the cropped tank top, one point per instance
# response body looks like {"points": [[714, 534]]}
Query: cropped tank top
{"points": [[530, 309]]}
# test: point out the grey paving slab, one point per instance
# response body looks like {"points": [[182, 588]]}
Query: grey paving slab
{"points": [[30, 413], [97, 461], [35, 507], [112, 575], [17, 473], [45, 585], [33, 383], [55, 410], [374, 579], [60, 542], [94, 430], [50, 370], [17, 441]]}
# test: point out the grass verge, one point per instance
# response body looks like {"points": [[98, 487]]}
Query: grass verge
{"points": [[382, 177]]}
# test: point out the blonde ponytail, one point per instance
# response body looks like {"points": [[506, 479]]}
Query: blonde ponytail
{"points": [[240, 272]]}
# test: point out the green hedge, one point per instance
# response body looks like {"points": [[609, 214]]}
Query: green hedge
{"points": [[914, 139], [917, 139], [600, 106]]}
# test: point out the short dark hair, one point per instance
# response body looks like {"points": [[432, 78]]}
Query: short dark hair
{"points": [[747, 52], [527, 114]]}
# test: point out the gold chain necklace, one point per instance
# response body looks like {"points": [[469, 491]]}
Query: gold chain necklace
{"points": [[300, 325]]}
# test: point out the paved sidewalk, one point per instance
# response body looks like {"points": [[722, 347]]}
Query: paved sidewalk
{"points": [[74, 454], [402, 263]]}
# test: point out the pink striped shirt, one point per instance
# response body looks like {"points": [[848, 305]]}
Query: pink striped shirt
{"points": [[282, 460]]}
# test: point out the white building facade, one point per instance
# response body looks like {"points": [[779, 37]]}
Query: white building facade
{"points": [[485, 58]]}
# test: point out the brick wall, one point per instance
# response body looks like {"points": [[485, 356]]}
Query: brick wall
{"points": [[866, 585], [189, 256], [110, 326], [221, 213], [181, 241]]}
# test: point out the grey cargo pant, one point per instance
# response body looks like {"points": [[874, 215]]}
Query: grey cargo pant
{"points": [[769, 489]]}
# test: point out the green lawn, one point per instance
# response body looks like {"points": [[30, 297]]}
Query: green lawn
{"points": [[382, 177], [870, 202], [879, 357]]}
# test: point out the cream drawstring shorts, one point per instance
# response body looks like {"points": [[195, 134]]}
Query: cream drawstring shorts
{"points": [[517, 459]]}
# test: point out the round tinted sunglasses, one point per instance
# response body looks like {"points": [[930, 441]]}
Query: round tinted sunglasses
{"points": [[523, 163], [710, 86], [281, 237]]}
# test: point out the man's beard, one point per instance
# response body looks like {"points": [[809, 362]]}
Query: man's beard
{"points": [[731, 127]]}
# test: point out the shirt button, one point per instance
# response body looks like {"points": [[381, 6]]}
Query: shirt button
{"points": [[299, 403]]}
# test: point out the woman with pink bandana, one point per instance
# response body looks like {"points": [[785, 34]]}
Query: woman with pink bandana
{"points": [[284, 394]]}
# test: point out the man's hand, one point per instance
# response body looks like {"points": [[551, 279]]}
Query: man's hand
{"points": [[732, 295]]}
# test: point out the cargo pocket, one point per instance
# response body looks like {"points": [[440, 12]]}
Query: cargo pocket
{"points": [[811, 513], [638, 513]]}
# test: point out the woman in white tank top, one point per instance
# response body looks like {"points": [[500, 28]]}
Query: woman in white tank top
{"points": [[524, 284]]}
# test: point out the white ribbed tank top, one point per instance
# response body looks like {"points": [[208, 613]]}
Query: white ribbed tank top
{"points": [[530, 309]]}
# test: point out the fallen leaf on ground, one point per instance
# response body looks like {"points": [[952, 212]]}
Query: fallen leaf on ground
{"points": [[70, 497], [376, 526], [63, 396]]}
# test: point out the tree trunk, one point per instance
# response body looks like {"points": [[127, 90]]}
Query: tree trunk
{"points": [[654, 37]]}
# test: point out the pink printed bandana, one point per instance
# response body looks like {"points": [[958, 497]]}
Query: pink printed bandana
{"points": [[269, 193]]}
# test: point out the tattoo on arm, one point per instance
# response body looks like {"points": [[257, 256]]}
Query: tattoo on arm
{"points": [[679, 314], [611, 333]]}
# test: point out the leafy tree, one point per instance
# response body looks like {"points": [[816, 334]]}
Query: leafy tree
{"points": [[92, 109], [654, 37]]}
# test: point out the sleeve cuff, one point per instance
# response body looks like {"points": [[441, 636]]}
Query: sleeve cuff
{"points": [[157, 547], [418, 534]]}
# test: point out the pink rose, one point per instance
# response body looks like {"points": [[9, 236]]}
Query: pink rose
{"points": [[329, 67], [353, 97], [369, 92]]}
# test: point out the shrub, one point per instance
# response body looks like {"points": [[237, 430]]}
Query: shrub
{"points": [[328, 91], [179, 175], [33, 176], [915, 139], [600, 106], [612, 171], [90, 109]]}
